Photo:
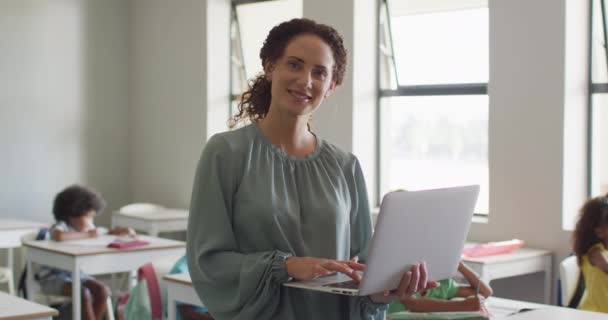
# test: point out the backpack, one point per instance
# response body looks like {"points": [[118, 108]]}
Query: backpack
{"points": [[144, 300]]}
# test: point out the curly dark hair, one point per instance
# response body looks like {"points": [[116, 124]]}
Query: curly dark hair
{"points": [[76, 201], [255, 102], [593, 214]]}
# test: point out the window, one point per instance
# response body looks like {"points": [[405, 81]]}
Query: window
{"points": [[250, 23], [433, 110], [598, 102]]}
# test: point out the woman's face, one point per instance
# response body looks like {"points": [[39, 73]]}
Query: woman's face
{"points": [[302, 77]]}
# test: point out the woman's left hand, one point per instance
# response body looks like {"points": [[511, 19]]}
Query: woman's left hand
{"points": [[413, 281]]}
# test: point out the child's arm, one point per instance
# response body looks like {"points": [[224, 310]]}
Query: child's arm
{"points": [[59, 235], [423, 304], [599, 259], [473, 280], [188, 312], [122, 231]]}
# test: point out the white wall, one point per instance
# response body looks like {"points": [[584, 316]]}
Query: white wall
{"points": [[348, 118], [63, 102], [171, 74]]}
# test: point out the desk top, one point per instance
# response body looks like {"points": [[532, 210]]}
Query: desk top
{"points": [[558, 314], [160, 215], [16, 224], [183, 278], [519, 254], [94, 246], [14, 308]]}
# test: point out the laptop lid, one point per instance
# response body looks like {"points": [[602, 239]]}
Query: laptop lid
{"points": [[416, 226]]}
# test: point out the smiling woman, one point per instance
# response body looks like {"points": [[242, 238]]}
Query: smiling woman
{"points": [[272, 201]]}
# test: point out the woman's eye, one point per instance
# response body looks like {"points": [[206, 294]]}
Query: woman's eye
{"points": [[292, 65], [320, 74]]}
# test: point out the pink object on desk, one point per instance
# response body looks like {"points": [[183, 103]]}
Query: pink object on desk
{"points": [[492, 248], [127, 244]]}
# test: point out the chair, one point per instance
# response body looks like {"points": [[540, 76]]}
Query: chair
{"points": [[569, 274], [51, 299]]}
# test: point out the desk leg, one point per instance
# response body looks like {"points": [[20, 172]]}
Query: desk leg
{"points": [[9, 262], [548, 279], [9, 258], [132, 278], [172, 310], [76, 292], [29, 281]]}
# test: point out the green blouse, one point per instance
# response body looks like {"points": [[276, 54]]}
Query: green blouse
{"points": [[253, 206]]}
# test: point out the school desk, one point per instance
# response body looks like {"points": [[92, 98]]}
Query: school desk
{"points": [[14, 308], [165, 220], [11, 231], [94, 257], [180, 289], [521, 262]]}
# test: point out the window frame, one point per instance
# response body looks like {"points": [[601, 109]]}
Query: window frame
{"points": [[408, 90], [594, 87]]}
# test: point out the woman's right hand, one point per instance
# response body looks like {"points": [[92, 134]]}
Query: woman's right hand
{"points": [[308, 268]]}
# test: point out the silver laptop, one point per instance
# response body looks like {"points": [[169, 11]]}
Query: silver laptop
{"points": [[413, 226]]}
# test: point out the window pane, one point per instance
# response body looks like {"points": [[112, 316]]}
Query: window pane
{"points": [[255, 21], [600, 71], [599, 151], [440, 47], [434, 142]]}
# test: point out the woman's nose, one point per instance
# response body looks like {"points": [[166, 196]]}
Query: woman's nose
{"points": [[305, 79]]}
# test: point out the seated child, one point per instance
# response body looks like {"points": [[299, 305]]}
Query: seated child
{"points": [[187, 311], [74, 209], [591, 249], [438, 299]]}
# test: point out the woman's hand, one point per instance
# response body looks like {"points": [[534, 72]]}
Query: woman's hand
{"points": [[308, 268], [413, 281]]}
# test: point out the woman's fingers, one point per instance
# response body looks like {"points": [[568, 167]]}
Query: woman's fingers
{"points": [[423, 276], [413, 286], [355, 265], [319, 271], [342, 267], [404, 284]]}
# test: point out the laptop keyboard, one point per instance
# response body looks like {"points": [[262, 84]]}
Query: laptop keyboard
{"points": [[352, 284]]}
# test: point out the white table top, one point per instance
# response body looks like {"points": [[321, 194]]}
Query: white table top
{"points": [[16, 224], [558, 314], [183, 278], [14, 308], [519, 254], [98, 245], [164, 214]]}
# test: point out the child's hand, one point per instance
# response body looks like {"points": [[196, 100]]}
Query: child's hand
{"points": [[123, 231], [92, 233], [461, 266], [473, 303]]}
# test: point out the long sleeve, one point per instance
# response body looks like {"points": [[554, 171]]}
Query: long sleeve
{"points": [[232, 284]]}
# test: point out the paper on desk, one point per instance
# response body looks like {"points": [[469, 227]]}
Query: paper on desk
{"points": [[90, 242]]}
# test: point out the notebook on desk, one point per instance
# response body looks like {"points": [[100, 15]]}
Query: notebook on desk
{"points": [[413, 226]]}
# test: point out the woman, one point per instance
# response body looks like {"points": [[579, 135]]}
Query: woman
{"points": [[273, 202]]}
